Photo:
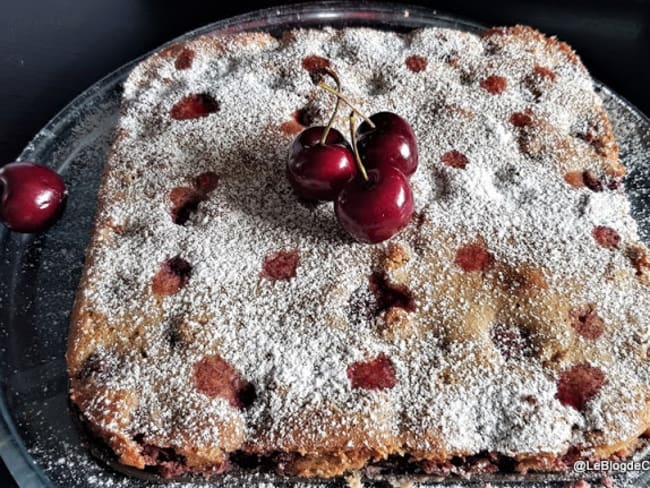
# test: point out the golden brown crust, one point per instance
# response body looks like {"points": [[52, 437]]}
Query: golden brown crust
{"points": [[81, 320], [534, 38]]}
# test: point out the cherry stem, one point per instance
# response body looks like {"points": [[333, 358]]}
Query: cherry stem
{"points": [[339, 95], [357, 158], [336, 79]]}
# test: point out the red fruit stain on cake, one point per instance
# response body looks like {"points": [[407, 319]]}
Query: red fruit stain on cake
{"points": [[194, 107], [388, 295], [291, 127], [511, 341], [440, 469], [588, 136], [95, 366], [174, 273], [606, 237], [454, 159], [376, 374], [280, 266], [215, 377], [474, 257], [544, 73], [167, 462], [579, 384], [586, 322], [494, 84], [521, 119], [452, 60], [592, 181], [531, 400], [578, 484], [579, 179], [575, 179], [185, 201], [573, 454], [416, 63], [206, 182], [185, 59], [314, 63], [614, 183], [306, 116], [539, 79]]}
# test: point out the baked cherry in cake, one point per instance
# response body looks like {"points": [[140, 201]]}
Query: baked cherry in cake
{"points": [[32, 196]]}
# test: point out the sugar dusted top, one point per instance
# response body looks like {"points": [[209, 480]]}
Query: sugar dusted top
{"points": [[510, 316]]}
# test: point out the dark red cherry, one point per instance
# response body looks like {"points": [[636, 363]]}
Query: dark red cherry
{"points": [[386, 122], [388, 149], [319, 172], [312, 136], [390, 143], [31, 196], [375, 210]]}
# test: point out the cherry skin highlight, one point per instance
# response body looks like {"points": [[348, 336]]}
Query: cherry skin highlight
{"points": [[31, 197], [391, 143], [318, 171], [312, 136], [375, 210]]}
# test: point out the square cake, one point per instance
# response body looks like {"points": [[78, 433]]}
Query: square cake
{"points": [[221, 321]]}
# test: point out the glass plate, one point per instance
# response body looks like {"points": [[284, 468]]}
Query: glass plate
{"points": [[39, 439]]}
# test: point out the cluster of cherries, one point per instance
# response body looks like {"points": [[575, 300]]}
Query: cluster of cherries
{"points": [[32, 197], [367, 180]]}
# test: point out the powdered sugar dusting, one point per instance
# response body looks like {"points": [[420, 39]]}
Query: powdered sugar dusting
{"points": [[293, 339]]}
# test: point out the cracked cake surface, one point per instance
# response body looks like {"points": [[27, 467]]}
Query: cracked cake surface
{"points": [[219, 316]]}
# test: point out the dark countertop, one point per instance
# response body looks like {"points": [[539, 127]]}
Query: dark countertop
{"points": [[51, 50]]}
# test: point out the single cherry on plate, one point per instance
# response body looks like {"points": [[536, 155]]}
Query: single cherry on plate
{"points": [[390, 143], [31, 196]]}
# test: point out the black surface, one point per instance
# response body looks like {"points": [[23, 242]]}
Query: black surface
{"points": [[50, 50]]}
